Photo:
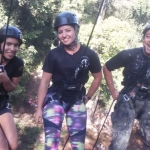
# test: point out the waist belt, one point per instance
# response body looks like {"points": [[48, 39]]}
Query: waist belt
{"points": [[138, 93], [54, 96], [73, 87]]}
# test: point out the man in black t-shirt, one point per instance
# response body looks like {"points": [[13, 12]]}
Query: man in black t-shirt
{"points": [[133, 100], [11, 69]]}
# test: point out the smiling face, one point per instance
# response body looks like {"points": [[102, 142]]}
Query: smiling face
{"points": [[146, 43], [66, 34], [11, 47]]}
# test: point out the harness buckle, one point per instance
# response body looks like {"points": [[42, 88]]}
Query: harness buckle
{"points": [[144, 87], [52, 96], [8, 106], [126, 97]]}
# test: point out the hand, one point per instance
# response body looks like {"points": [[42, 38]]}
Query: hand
{"points": [[38, 116], [3, 77], [115, 94]]}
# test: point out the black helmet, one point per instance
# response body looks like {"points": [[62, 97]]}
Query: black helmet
{"points": [[146, 29], [12, 32], [65, 18]]}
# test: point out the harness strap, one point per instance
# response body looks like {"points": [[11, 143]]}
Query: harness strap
{"points": [[50, 98], [130, 97]]}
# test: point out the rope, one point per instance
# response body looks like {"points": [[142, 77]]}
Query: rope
{"points": [[65, 143], [100, 9]]}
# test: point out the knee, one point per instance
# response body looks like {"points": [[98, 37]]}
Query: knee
{"points": [[14, 146]]}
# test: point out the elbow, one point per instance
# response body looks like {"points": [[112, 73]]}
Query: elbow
{"points": [[98, 78], [104, 69], [11, 89]]}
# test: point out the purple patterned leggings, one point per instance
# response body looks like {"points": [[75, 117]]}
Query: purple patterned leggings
{"points": [[53, 115]]}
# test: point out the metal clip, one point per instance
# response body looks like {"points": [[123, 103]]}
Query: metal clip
{"points": [[51, 96], [144, 87], [126, 97], [71, 87], [8, 106]]}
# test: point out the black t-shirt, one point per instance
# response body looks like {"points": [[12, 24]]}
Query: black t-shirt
{"points": [[14, 68], [135, 65], [63, 65]]}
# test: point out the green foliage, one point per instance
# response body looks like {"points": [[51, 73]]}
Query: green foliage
{"points": [[109, 37], [28, 54], [17, 97], [3, 18], [120, 9], [104, 94], [31, 132], [141, 11], [28, 137]]}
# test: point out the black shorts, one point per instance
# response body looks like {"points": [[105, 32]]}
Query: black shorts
{"points": [[5, 110]]}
